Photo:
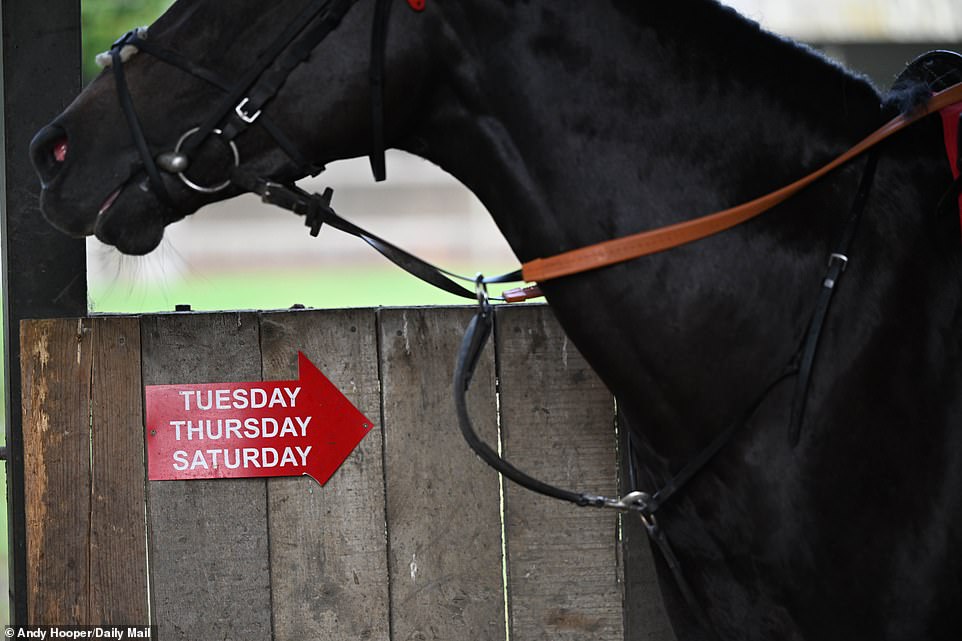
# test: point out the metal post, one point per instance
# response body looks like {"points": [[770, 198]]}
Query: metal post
{"points": [[44, 272]]}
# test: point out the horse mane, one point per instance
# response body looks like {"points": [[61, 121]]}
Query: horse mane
{"points": [[784, 67]]}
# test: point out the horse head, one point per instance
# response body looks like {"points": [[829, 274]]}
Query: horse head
{"points": [[189, 83]]}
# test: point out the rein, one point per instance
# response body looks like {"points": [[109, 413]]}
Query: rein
{"points": [[627, 248]]}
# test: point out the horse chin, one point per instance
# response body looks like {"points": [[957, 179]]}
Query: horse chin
{"points": [[130, 224]]}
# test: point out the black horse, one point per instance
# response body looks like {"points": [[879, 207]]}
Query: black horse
{"points": [[578, 122]]}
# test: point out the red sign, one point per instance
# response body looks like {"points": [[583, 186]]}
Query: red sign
{"points": [[237, 430], [951, 124]]}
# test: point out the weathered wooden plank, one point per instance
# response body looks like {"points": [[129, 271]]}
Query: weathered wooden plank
{"points": [[118, 533], [443, 518], [86, 536], [564, 572], [56, 382], [328, 544], [208, 539]]}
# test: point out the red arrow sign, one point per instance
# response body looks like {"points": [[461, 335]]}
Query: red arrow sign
{"points": [[237, 430]]}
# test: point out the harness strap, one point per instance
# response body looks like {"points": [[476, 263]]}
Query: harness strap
{"points": [[626, 248], [647, 505], [472, 345], [317, 210], [177, 60], [660, 538], [837, 264], [382, 11], [133, 124], [283, 53]]}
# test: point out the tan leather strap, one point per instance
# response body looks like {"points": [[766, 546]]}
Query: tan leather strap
{"points": [[626, 248]]}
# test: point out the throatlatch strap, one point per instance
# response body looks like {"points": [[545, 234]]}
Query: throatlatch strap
{"points": [[382, 11]]}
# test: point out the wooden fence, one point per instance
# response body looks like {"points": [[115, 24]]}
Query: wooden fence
{"points": [[414, 538]]}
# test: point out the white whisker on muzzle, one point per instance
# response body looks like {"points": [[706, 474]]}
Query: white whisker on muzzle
{"points": [[118, 282]]}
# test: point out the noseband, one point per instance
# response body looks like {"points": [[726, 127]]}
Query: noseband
{"points": [[245, 99]]}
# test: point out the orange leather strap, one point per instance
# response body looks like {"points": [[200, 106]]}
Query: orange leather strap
{"points": [[626, 248]]}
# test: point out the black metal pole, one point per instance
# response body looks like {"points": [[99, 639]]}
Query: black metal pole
{"points": [[44, 272]]}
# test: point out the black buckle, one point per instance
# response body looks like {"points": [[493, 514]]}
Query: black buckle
{"points": [[318, 208]]}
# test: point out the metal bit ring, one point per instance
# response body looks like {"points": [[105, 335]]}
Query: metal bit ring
{"points": [[201, 188]]}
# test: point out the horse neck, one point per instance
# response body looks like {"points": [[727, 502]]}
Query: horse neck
{"points": [[575, 123]]}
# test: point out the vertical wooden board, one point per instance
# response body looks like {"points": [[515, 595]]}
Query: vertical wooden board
{"points": [[645, 616], [209, 567], [118, 532], [328, 544], [564, 572], [55, 369], [444, 526], [85, 475]]}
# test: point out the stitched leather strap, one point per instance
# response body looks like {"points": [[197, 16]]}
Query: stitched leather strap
{"points": [[627, 248]]}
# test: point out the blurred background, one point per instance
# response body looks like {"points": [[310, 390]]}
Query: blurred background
{"points": [[242, 255]]}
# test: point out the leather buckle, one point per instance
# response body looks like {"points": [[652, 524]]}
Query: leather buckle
{"points": [[838, 258], [243, 115]]}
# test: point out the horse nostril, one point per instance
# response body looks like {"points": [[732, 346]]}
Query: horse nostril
{"points": [[60, 150], [48, 151]]}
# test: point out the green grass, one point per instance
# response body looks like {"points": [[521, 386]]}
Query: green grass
{"points": [[348, 287]]}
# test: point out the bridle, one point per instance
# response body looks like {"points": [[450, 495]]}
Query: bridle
{"points": [[242, 107], [244, 100]]}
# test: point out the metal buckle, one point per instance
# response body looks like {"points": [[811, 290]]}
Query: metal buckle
{"points": [[842, 258], [243, 115], [201, 188], [633, 501], [481, 289]]}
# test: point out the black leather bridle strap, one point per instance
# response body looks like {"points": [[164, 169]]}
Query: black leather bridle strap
{"points": [[317, 211], [837, 264], [382, 11], [316, 21], [133, 125], [245, 99], [472, 345], [184, 64]]}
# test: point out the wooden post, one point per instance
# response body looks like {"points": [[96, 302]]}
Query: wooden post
{"points": [[83, 438], [44, 272]]}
